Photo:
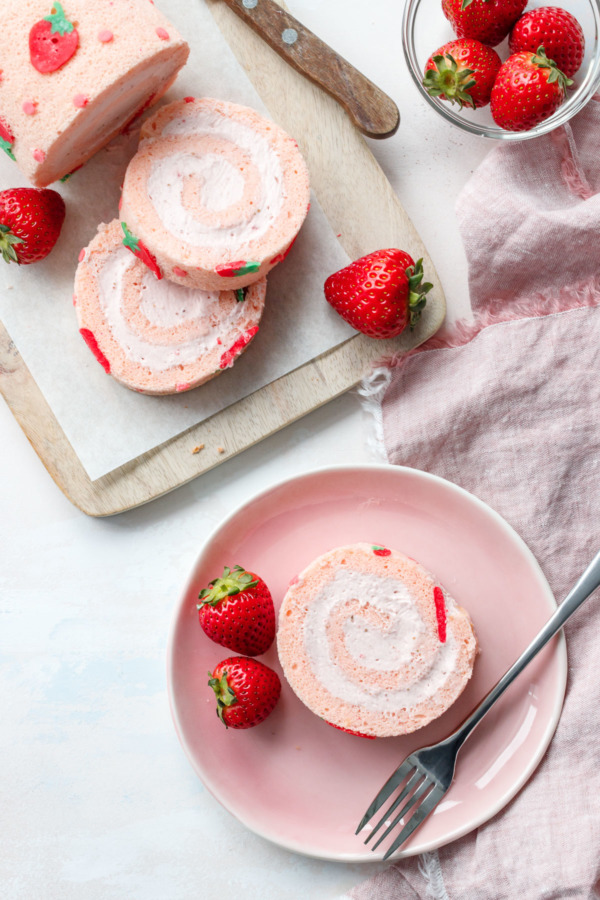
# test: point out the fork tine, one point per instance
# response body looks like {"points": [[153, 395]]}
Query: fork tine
{"points": [[388, 788], [410, 785], [423, 788], [427, 805]]}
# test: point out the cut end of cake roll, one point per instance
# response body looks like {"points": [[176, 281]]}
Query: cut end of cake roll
{"points": [[372, 643], [75, 74], [216, 192], [151, 335]]}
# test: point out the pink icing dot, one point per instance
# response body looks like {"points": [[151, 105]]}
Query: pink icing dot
{"points": [[105, 36], [182, 387], [179, 272], [80, 100], [163, 35], [81, 256], [39, 156], [30, 107]]}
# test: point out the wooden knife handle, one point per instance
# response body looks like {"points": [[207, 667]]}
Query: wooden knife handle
{"points": [[372, 111]]}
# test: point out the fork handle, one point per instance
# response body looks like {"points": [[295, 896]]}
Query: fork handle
{"points": [[586, 585]]}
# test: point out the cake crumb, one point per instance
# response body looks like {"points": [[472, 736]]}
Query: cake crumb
{"points": [[221, 449], [198, 448]]}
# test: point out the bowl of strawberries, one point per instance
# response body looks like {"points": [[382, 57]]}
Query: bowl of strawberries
{"points": [[504, 69]]}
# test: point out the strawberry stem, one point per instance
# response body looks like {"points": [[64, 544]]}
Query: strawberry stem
{"points": [[7, 242], [556, 75], [232, 582], [417, 297], [59, 22], [225, 695], [448, 81]]}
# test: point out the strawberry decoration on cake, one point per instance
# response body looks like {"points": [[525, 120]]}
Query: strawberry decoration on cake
{"points": [[52, 41], [139, 249], [7, 138]]}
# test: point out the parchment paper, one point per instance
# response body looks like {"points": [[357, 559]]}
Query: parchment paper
{"points": [[107, 424]]}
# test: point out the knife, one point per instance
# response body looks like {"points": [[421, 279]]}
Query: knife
{"points": [[373, 112]]}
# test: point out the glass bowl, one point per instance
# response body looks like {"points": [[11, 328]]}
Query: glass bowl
{"points": [[425, 29]]}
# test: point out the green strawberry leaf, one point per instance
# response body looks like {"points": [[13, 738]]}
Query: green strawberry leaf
{"points": [[447, 81], [224, 693], [7, 242], [228, 585], [556, 76], [417, 298]]}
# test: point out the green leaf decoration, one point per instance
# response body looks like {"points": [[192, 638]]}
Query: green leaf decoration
{"points": [[59, 22]]}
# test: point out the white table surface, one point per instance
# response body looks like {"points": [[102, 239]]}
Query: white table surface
{"points": [[98, 799]]}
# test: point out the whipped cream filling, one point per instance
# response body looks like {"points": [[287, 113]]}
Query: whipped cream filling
{"points": [[165, 305], [222, 183], [381, 647]]}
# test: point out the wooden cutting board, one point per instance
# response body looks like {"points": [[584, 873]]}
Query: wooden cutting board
{"points": [[360, 206]]}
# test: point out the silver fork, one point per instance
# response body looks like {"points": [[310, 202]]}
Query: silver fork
{"points": [[425, 775]]}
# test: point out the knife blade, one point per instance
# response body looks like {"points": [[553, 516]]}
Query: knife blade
{"points": [[373, 112]]}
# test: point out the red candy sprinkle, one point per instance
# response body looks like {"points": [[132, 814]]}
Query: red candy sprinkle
{"points": [[440, 612], [92, 343], [163, 35], [229, 356]]}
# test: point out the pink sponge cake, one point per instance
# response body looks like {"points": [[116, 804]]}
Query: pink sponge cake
{"points": [[216, 192], [370, 642], [74, 73], [151, 335]]}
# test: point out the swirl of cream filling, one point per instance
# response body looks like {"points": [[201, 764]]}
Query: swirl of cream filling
{"points": [[366, 641], [160, 324], [222, 186]]}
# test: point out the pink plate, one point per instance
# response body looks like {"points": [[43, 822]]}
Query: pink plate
{"points": [[294, 779]]}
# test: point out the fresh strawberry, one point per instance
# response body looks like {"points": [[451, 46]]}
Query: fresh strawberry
{"points": [[557, 31], [30, 223], [139, 249], [237, 611], [463, 72], [247, 691], [529, 87], [488, 21], [7, 138], [52, 41], [379, 294]]}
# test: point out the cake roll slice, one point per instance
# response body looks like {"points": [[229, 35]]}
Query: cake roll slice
{"points": [[216, 192], [372, 643], [75, 73], [154, 336]]}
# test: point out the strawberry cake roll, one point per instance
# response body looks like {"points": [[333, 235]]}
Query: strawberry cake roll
{"points": [[372, 643], [216, 192], [74, 73], [154, 336]]}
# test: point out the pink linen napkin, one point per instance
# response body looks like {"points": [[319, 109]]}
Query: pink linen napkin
{"points": [[509, 408]]}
